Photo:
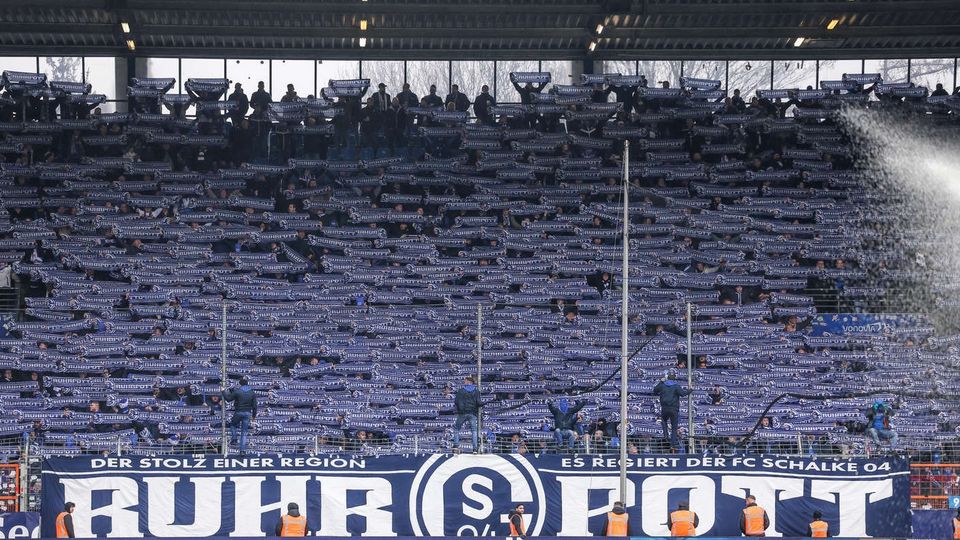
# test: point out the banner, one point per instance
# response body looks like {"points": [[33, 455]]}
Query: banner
{"points": [[468, 495], [841, 324], [20, 525]]}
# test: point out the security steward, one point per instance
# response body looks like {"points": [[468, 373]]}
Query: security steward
{"points": [[818, 528], [683, 522], [518, 529], [753, 519], [618, 521], [65, 522], [293, 523], [956, 525]]}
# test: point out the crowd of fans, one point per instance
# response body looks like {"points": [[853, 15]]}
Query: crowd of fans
{"points": [[367, 203]]}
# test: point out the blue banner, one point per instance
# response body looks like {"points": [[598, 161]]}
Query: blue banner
{"points": [[20, 525], [468, 495], [841, 324]]}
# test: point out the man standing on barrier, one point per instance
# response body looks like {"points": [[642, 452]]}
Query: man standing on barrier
{"points": [[518, 529], [878, 424], [292, 523], [564, 421], [618, 521], [244, 411], [670, 393], [753, 519], [65, 522], [467, 405], [683, 522]]}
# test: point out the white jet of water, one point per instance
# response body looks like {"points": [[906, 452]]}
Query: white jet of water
{"points": [[914, 165]]}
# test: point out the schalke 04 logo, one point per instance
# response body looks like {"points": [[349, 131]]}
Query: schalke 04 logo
{"points": [[485, 487]]}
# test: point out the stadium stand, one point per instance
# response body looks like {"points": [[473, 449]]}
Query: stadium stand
{"points": [[350, 247]]}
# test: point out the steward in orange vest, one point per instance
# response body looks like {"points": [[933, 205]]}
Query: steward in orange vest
{"points": [[753, 519], [518, 529], [65, 522], [683, 522], [956, 525], [818, 528], [618, 521], [293, 523]]}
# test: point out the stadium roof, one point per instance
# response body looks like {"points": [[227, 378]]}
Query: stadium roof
{"points": [[486, 29]]}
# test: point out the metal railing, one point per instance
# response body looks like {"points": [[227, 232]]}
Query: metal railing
{"points": [[932, 484]]}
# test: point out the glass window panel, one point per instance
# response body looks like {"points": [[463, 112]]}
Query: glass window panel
{"points": [[794, 74], [505, 90], [102, 75], [421, 74], [833, 70], [623, 67], [248, 73], [388, 72], [200, 68], [336, 69], [299, 73], [62, 68], [748, 76], [657, 71], [715, 70], [165, 67], [18, 63], [930, 72], [471, 76], [890, 70], [561, 71], [112, 106]]}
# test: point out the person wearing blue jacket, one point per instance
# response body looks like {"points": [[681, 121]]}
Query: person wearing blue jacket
{"points": [[564, 421], [244, 411], [467, 406], [878, 424], [670, 393]]}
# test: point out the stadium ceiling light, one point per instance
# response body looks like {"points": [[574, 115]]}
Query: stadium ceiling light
{"points": [[363, 24], [125, 26], [363, 42], [799, 41], [599, 29], [833, 24], [593, 45], [131, 44]]}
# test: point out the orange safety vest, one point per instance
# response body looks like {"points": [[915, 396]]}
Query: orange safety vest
{"points": [[682, 523], [293, 526], [818, 529], [617, 524], [753, 521], [956, 529], [513, 528], [62, 526]]}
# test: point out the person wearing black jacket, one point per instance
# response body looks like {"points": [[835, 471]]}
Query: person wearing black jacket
{"points": [[260, 100], [482, 104], [408, 98], [460, 101], [244, 411], [433, 100], [518, 528], [243, 104], [395, 124], [670, 393], [526, 91], [292, 524], [467, 405], [565, 420], [64, 523]]}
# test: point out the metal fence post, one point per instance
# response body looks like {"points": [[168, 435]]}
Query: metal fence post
{"points": [[24, 476]]}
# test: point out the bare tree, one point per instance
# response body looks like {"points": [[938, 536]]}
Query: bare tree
{"points": [[65, 68]]}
